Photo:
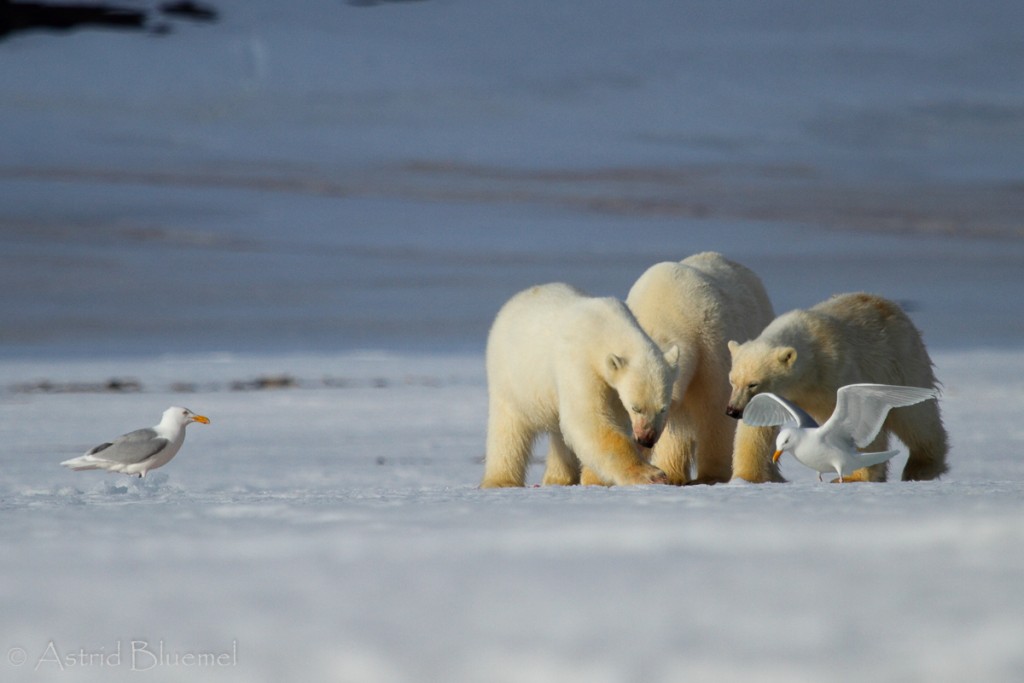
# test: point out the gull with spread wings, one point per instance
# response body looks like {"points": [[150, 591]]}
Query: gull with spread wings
{"points": [[833, 447]]}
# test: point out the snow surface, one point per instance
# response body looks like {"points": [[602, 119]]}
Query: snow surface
{"points": [[342, 196], [335, 533]]}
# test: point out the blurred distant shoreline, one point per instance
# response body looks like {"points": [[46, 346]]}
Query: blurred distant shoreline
{"points": [[762, 193]]}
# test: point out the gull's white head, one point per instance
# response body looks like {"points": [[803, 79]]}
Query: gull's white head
{"points": [[183, 416], [786, 441]]}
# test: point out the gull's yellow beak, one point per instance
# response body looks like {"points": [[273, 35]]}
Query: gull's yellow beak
{"points": [[201, 418], [778, 454]]}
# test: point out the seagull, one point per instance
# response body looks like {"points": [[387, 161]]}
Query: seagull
{"points": [[138, 452], [860, 411]]}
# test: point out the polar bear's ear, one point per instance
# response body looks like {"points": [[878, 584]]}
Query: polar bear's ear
{"points": [[616, 363], [672, 357], [787, 356], [733, 345]]}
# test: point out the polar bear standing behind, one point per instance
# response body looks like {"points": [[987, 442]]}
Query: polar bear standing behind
{"points": [[807, 355], [580, 369], [698, 305]]}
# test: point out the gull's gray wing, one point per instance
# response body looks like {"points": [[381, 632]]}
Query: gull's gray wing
{"points": [[133, 447], [862, 408], [768, 410]]}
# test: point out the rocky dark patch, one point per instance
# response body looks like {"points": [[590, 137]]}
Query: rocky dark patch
{"points": [[374, 3], [115, 385], [16, 17], [189, 10], [266, 382]]}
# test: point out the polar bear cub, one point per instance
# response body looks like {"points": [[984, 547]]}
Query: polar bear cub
{"points": [[581, 370], [698, 305]]}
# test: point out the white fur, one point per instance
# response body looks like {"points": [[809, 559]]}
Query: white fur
{"points": [[581, 370], [698, 305], [805, 356]]}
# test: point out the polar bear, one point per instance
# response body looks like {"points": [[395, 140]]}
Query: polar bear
{"points": [[698, 305], [807, 355], [580, 369]]}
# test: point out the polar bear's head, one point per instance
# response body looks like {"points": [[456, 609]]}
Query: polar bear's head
{"points": [[644, 384], [758, 367]]}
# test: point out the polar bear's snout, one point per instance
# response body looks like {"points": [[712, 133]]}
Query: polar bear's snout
{"points": [[645, 433], [739, 399]]}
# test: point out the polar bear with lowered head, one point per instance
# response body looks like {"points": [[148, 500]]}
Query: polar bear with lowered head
{"points": [[698, 305], [807, 355], [580, 369]]}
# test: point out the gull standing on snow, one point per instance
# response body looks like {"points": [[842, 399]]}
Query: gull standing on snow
{"points": [[860, 411], [142, 450]]}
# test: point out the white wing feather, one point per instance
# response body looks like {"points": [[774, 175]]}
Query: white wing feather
{"points": [[861, 409], [769, 410]]}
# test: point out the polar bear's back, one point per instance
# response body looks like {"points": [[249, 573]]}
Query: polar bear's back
{"points": [[522, 341], [532, 317], [741, 286], [704, 294], [878, 333]]}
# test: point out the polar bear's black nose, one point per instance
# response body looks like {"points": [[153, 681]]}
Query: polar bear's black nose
{"points": [[647, 441], [734, 412]]}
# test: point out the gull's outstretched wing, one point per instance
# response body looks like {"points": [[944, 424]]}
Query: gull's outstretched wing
{"points": [[862, 408], [768, 410]]}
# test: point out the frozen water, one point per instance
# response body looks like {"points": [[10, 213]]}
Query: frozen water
{"points": [[336, 532]]}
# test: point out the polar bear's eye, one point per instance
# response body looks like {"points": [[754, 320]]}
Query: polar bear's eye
{"points": [[635, 409], [752, 386]]}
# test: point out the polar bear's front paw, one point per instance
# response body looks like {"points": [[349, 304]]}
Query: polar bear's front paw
{"points": [[658, 477], [645, 474]]}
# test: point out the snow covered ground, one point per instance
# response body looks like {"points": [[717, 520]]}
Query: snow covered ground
{"points": [[342, 196], [335, 533]]}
